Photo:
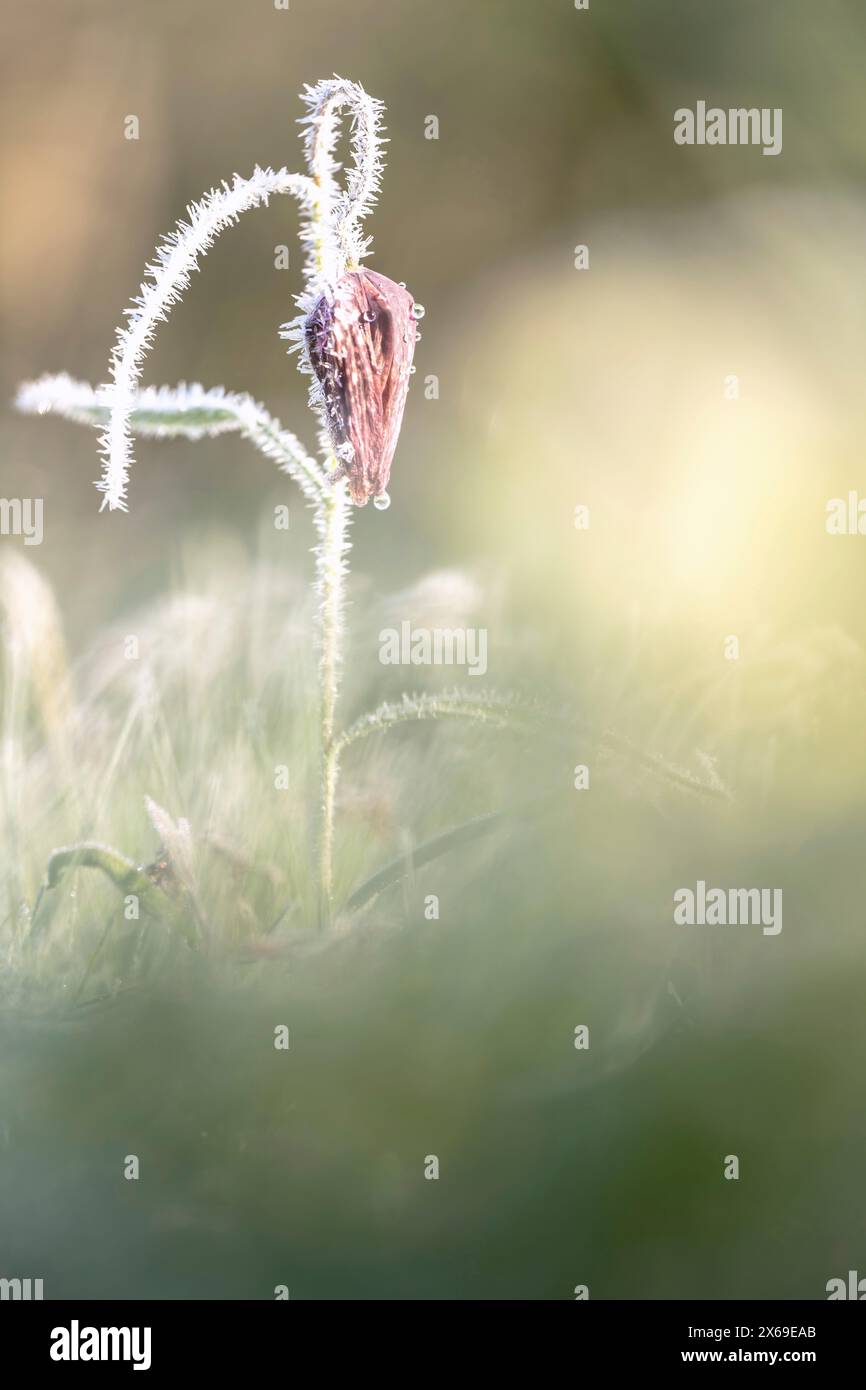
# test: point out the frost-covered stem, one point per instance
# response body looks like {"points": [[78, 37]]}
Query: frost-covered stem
{"points": [[332, 522], [330, 777], [336, 242], [185, 412], [497, 710], [176, 257]]}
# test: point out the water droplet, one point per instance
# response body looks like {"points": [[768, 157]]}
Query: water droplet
{"points": [[369, 316], [418, 311], [412, 370], [402, 284], [417, 337], [382, 502]]}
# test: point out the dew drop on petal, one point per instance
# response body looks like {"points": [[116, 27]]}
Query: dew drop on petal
{"points": [[418, 311], [369, 316], [382, 502], [413, 369]]}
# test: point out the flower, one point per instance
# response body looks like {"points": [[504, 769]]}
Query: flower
{"points": [[361, 340]]}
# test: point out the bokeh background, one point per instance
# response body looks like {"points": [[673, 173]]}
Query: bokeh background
{"points": [[557, 387]]}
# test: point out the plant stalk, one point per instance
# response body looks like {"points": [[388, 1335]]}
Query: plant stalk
{"points": [[332, 519]]}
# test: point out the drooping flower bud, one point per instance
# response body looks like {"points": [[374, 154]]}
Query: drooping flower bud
{"points": [[361, 342]]}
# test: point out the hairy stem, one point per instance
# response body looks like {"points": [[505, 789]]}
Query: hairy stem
{"points": [[166, 278], [190, 412], [498, 710], [332, 521], [336, 241]]}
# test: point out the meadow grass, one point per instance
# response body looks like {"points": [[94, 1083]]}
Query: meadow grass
{"points": [[410, 1036], [161, 797]]}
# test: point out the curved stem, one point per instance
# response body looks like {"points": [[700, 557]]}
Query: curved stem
{"points": [[171, 412], [498, 710], [176, 257], [337, 242]]}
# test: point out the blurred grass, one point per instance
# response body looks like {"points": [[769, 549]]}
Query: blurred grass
{"points": [[410, 1036]]}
